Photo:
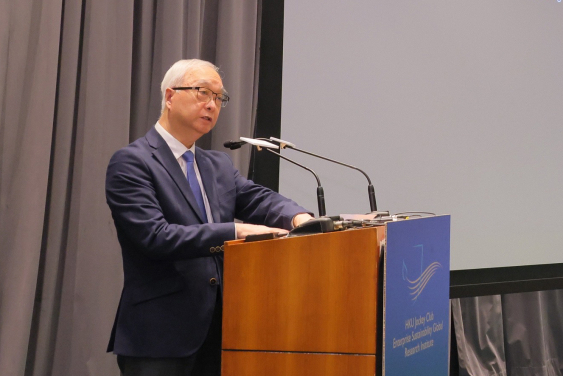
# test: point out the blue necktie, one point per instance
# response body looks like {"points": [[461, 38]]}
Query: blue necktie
{"points": [[194, 184]]}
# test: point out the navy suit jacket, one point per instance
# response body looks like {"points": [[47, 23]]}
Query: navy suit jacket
{"points": [[169, 254]]}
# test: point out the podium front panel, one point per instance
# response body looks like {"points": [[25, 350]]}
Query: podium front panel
{"points": [[314, 293]]}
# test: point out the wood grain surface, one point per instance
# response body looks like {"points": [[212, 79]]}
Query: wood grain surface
{"points": [[243, 363], [313, 293]]}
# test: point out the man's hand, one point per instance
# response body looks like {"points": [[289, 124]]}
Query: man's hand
{"points": [[301, 218], [245, 229]]}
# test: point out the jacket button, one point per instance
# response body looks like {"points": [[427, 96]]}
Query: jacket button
{"points": [[213, 281]]}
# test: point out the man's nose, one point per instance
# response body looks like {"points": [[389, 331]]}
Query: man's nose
{"points": [[212, 104]]}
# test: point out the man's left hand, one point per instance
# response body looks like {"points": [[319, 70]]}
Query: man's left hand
{"points": [[301, 218]]}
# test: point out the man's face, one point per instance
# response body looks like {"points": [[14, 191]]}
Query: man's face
{"points": [[187, 113]]}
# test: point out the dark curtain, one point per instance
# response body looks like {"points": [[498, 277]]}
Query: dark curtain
{"points": [[79, 80], [510, 335]]}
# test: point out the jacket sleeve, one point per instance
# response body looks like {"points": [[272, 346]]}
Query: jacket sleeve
{"points": [[260, 205]]}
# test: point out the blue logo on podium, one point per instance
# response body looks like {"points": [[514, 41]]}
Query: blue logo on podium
{"points": [[417, 285]]}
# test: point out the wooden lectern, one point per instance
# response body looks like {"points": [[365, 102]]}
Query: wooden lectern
{"points": [[302, 306]]}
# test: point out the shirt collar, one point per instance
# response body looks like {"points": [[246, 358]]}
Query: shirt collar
{"points": [[178, 149]]}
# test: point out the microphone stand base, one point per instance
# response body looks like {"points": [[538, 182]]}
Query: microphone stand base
{"points": [[313, 226]]}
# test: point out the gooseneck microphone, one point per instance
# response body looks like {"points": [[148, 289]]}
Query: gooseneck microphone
{"points": [[320, 190], [371, 192], [261, 144]]}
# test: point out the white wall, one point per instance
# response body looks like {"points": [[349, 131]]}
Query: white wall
{"points": [[450, 106]]}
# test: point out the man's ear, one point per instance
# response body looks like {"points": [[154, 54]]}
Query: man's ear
{"points": [[169, 93]]}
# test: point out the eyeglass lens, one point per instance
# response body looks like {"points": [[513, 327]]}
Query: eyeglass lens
{"points": [[205, 95]]}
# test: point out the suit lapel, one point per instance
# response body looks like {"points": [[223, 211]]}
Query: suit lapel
{"points": [[208, 179], [165, 157]]}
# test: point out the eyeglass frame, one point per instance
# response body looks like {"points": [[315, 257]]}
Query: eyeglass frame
{"points": [[224, 97]]}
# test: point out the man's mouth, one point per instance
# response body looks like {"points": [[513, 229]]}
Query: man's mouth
{"points": [[206, 118]]}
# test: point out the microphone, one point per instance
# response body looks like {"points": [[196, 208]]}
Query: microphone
{"points": [[320, 191], [233, 144], [371, 192], [261, 144]]}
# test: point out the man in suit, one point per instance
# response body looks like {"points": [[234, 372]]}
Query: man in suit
{"points": [[174, 206]]}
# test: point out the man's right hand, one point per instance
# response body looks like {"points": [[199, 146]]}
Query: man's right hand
{"points": [[245, 229]]}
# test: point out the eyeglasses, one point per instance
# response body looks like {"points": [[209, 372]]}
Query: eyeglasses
{"points": [[205, 95]]}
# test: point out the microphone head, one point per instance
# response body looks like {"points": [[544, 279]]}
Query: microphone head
{"points": [[233, 144]]}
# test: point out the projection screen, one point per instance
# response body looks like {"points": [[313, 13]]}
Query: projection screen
{"points": [[451, 107]]}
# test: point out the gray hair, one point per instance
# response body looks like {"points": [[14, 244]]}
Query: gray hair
{"points": [[175, 75]]}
